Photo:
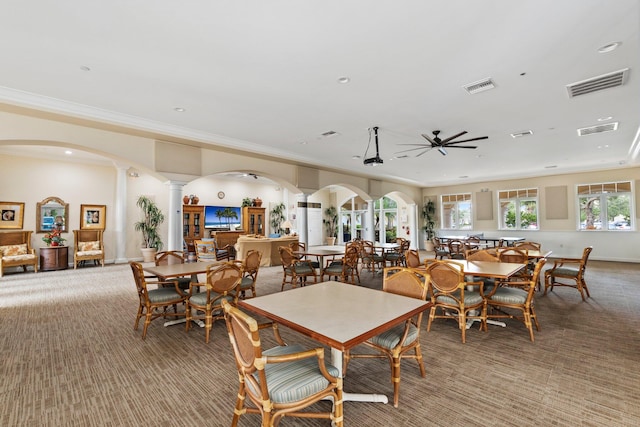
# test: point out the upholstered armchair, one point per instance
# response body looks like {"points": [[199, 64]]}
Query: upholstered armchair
{"points": [[16, 250], [88, 245]]}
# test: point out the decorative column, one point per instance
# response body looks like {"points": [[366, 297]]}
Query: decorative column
{"points": [[303, 232], [175, 215], [415, 230], [369, 231], [120, 214]]}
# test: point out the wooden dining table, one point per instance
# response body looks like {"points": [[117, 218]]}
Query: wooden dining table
{"points": [[339, 315]]}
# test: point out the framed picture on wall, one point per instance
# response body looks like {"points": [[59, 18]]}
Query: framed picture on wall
{"points": [[93, 217], [11, 214]]}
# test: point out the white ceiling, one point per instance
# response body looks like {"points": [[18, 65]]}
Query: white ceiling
{"points": [[262, 76]]}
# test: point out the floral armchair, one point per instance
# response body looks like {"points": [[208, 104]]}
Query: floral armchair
{"points": [[16, 250]]}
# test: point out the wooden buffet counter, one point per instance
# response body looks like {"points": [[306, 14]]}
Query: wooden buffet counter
{"points": [[268, 247]]}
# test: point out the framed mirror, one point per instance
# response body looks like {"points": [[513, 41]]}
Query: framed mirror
{"points": [[52, 212]]}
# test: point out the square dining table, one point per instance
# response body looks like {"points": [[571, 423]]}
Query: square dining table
{"points": [[339, 315]]}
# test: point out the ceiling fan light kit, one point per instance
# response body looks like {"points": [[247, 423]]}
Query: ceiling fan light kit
{"points": [[374, 161]]}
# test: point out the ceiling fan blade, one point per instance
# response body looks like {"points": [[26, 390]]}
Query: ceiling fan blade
{"points": [[421, 144], [468, 140], [428, 149], [428, 138], [444, 141], [461, 146], [414, 149]]}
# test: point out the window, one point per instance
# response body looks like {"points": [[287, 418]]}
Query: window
{"points": [[518, 209], [605, 206], [456, 211], [390, 212]]}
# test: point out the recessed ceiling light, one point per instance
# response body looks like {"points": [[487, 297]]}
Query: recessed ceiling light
{"points": [[464, 176], [303, 142], [355, 157], [550, 167], [343, 80], [85, 68], [609, 47], [68, 152], [179, 109], [604, 119]]}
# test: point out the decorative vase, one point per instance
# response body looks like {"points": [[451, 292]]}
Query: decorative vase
{"points": [[185, 200], [257, 202], [195, 200], [331, 241], [55, 244], [148, 254]]}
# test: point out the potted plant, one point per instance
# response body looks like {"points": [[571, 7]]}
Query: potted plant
{"points": [[276, 218], [152, 218], [331, 224], [247, 202], [429, 214]]}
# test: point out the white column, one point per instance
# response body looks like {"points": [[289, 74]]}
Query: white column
{"points": [[303, 232], [369, 231], [120, 214], [415, 230], [175, 215]]}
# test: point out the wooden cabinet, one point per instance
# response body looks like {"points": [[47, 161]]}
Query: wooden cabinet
{"points": [[54, 258], [253, 220], [192, 224]]}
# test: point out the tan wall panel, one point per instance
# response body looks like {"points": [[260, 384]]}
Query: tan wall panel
{"points": [[556, 202]]}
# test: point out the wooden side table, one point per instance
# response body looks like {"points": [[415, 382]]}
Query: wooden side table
{"points": [[54, 258]]}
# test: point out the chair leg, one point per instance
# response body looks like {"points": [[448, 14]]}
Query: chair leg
{"points": [[239, 409], [584, 286], [147, 321], [208, 323]]}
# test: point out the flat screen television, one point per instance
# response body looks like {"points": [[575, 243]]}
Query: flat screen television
{"points": [[222, 217]]}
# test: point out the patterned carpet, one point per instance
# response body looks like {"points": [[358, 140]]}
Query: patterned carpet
{"points": [[70, 357]]}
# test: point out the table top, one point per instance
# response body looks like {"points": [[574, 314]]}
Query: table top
{"points": [[175, 270], [337, 314], [320, 252], [486, 239], [498, 270], [538, 254]]}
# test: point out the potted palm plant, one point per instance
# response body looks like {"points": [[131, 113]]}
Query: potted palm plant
{"points": [[331, 224], [148, 226], [429, 214], [277, 218]]}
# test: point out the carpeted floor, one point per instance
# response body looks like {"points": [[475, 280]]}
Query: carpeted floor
{"points": [[70, 357]]}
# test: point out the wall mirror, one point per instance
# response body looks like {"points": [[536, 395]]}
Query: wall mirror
{"points": [[52, 212]]}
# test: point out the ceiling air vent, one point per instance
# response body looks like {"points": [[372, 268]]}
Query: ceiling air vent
{"points": [[521, 134], [479, 86], [329, 134], [609, 127], [605, 81]]}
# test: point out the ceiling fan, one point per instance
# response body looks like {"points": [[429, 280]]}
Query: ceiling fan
{"points": [[440, 144]]}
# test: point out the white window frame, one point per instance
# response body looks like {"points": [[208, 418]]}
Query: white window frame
{"points": [[603, 190], [457, 199], [518, 196]]}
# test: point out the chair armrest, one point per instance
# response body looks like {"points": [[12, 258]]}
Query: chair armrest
{"points": [[307, 354], [193, 285], [561, 261]]}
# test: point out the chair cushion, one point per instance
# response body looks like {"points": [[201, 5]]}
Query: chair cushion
{"points": [[333, 269], [200, 299], [14, 258], [510, 295], [391, 338], [161, 295], [89, 253], [470, 298], [303, 269], [246, 283], [12, 250], [88, 246], [293, 381], [564, 271]]}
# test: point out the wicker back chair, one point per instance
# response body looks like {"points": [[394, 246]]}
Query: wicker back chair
{"points": [[222, 284], [518, 295], [447, 287], [171, 258], [413, 258], [280, 381], [294, 270], [250, 266], [517, 256], [569, 269], [440, 249], [530, 246], [153, 303], [88, 246], [345, 269], [456, 249], [396, 343], [369, 257]]}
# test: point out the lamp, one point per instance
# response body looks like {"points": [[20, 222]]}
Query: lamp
{"points": [[287, 227], [442, 151]]}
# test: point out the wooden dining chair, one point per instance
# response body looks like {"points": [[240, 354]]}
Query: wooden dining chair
{"points": [[449, 294], [398, 342], [569, 269], [170, 258], [441, 249], [281, 381], [295, 271], [413, 258], [344, 269], [222, 284], [456, 249], [298, 246], [515, 295], [250, 267], [154, 303]]}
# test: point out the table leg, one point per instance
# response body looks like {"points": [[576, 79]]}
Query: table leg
{"points": [[336, 360]]}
